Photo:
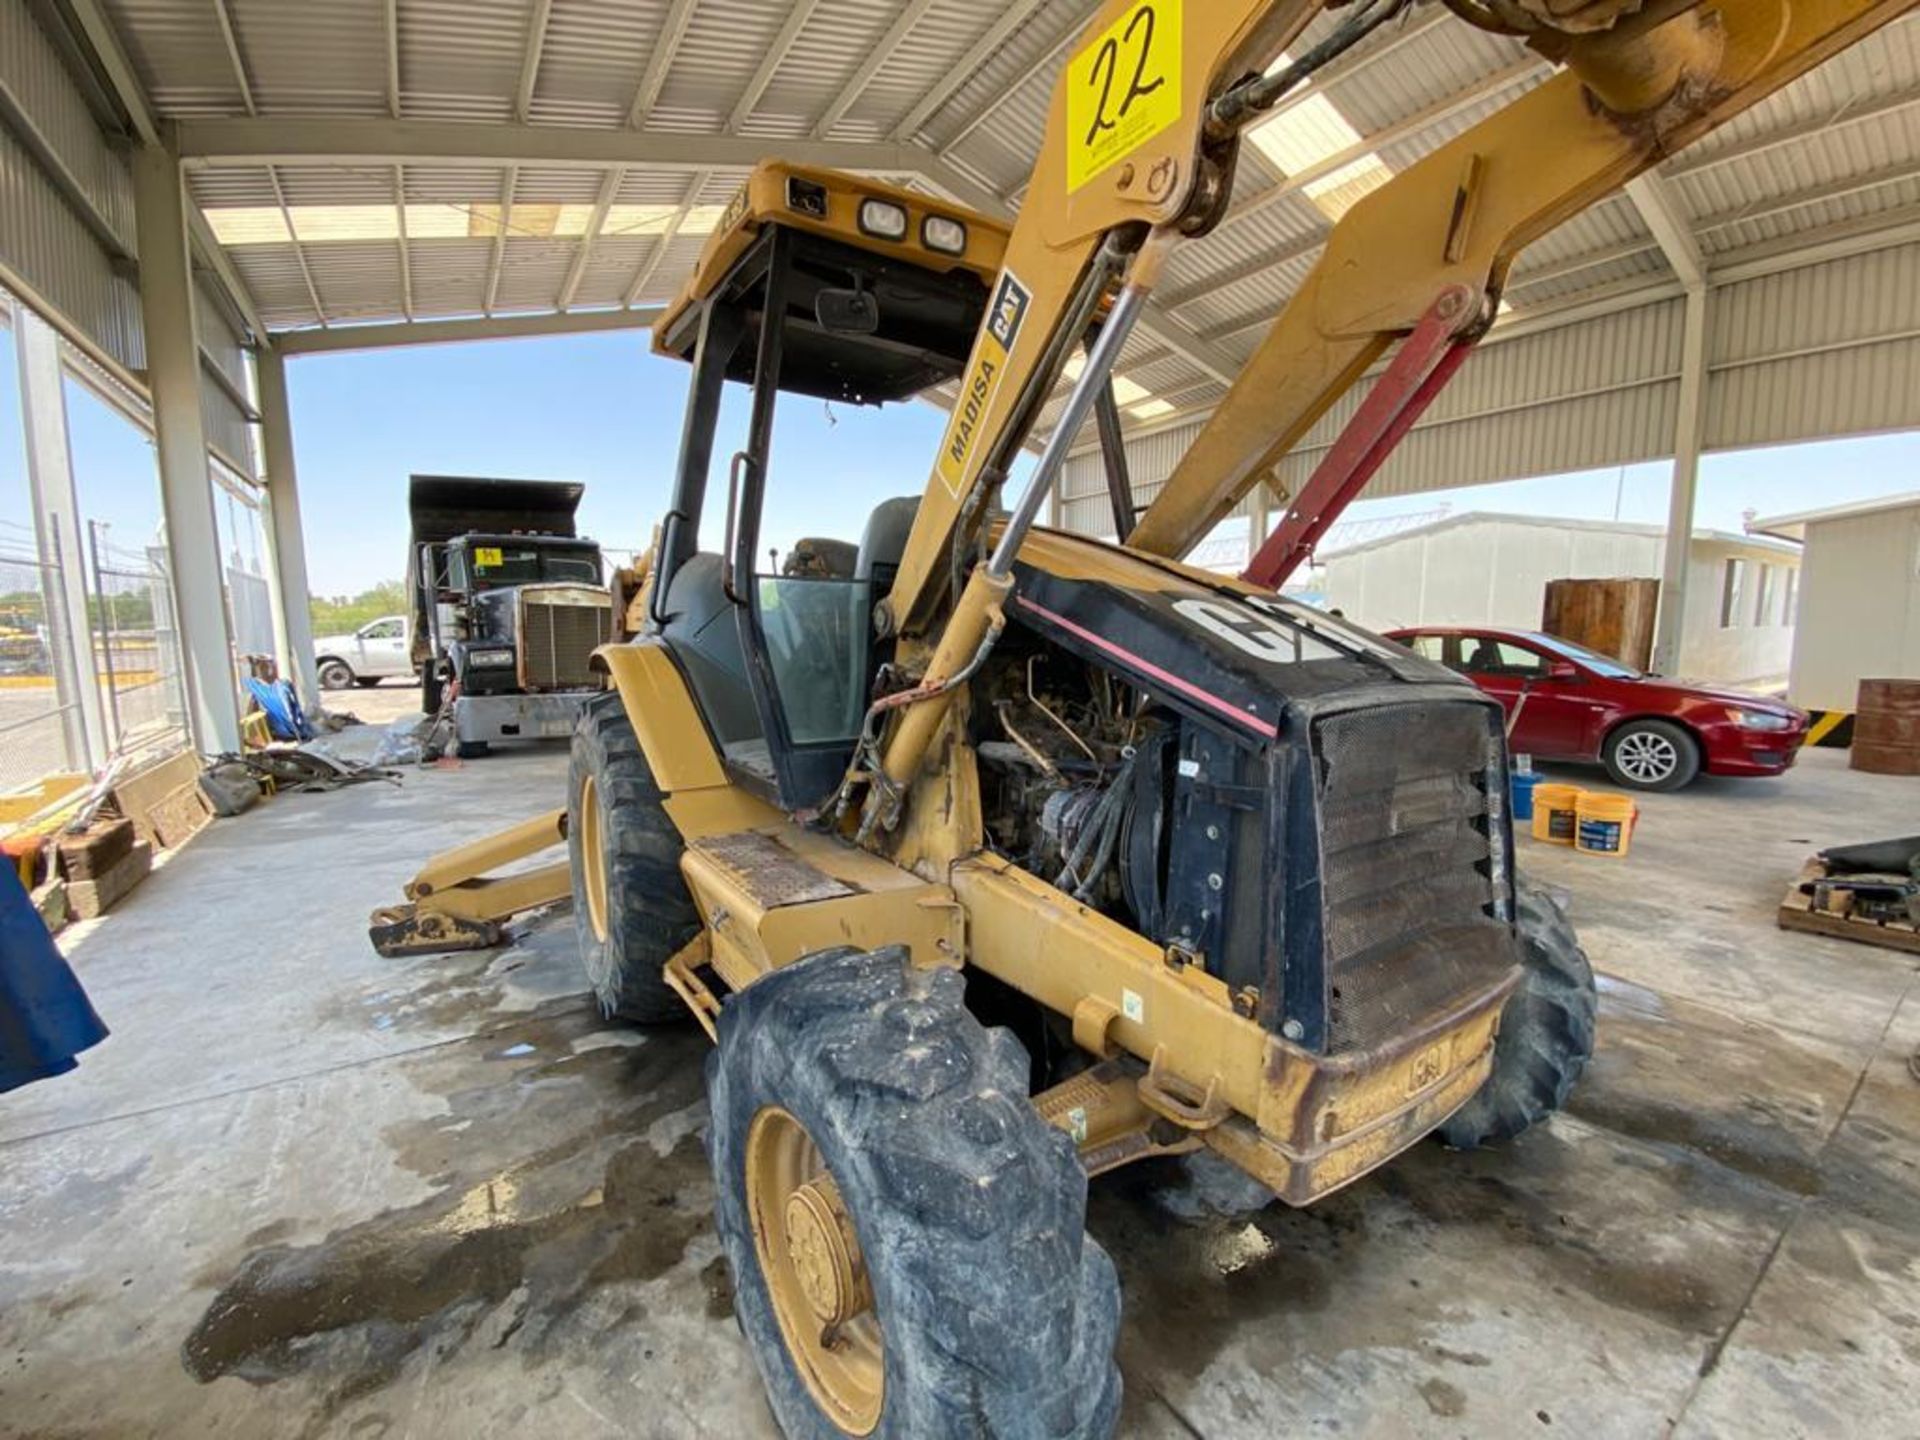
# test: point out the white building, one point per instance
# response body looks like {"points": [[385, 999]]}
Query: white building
{"points": [[1487, 569], [1860, 613]]}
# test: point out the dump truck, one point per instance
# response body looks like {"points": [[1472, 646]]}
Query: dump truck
{"points": [[998, 857], [509, 606]]}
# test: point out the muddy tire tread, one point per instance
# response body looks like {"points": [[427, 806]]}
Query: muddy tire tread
{"points": [[999, 1313], [1546, 1036], [650, 912]]}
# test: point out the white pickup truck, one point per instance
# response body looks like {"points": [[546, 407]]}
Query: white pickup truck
{"points": [[371, 654]]}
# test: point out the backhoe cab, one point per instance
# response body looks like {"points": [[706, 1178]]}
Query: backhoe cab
{"points": [[994, 857]]}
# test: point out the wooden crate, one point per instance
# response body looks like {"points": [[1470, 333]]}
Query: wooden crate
{"points": [[1614, 617], [1797, 913]]}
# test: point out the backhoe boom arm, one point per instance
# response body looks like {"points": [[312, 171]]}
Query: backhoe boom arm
{"points": [[1630, 96]]}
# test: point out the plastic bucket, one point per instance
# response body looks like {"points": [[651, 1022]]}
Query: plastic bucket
{"points": [[1523, 788], [1605, 824], [1554, 813]]}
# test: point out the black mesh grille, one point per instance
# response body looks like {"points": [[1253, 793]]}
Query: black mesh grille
{"points": [[558, 643], [1405, 852]]}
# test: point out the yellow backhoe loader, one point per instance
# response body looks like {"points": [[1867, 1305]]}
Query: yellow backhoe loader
{"points": [[993, 857]]}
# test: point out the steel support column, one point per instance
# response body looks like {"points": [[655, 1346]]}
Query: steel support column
{"points": [[186, 493], [286, 543], [61, 543], [1688, 430]]}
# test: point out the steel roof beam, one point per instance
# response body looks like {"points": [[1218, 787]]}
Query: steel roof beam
{"points": [[299, 251], [392, 18], [214, 255], [530, 54], [406, 256], [452, 332], [232, 42], [649, 267], [877, 58], [113, 61], [797, 19], [660, 63], [509, 182], [964, 69], [344, 142], [609, 187], [1850, 112], [1670, 226]]}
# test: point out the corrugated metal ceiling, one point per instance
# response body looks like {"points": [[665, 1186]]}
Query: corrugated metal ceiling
{"points": [[970, 82]]}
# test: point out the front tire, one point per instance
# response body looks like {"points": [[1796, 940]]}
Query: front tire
{"points": [[336, 675], [1652, 755], [431, 691], [970, 1301], [1546, 1035], [632, 911]]}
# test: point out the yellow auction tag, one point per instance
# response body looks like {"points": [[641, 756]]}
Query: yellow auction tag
{"points": [[1123, 89], [486, 557]]}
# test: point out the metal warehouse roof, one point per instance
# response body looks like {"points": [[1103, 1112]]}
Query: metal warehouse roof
{"points": [[417, 160], [960, 87]]}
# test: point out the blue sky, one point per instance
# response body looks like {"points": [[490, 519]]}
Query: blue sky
{"points": [[601, 409], [596, 408]]}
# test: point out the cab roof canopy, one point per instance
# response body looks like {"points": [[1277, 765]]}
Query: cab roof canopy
{"points": [[928, 265]]}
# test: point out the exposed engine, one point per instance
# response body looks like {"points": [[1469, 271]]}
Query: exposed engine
{"points": [[1068, 768]]}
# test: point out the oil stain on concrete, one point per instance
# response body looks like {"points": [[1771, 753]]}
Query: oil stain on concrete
{"points": [[566, 1174]]}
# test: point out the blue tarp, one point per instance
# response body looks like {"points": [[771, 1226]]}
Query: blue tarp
{"points": [[45, 1017], [285, 719]]}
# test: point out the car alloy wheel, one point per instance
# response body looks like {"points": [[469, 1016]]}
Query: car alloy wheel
{"points": [[1647, 757]]}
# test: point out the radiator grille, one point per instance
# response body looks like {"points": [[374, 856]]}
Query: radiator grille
{"points": [[557, 644], [1406, 873]]}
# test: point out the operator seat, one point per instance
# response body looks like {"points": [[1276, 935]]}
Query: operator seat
{"points": [[885, 541], [704, 637]]}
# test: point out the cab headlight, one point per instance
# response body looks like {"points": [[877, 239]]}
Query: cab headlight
{"points": [[489, 659], [883, 219], [1759, 719], [949, 237]]}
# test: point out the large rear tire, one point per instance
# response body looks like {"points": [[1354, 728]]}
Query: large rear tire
{"points": [[1546, 1034], [906, 1233], [632, 911]]}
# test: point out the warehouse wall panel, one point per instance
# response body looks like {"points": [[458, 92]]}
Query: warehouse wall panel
{"points": [[46, 249], [1813, 352]]}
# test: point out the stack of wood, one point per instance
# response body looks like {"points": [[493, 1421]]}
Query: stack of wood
{"points": [[83, 842], [1886, 728]]}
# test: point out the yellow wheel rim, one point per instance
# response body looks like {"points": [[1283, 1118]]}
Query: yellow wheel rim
{"points": [[816, 1276], [593, 857]]}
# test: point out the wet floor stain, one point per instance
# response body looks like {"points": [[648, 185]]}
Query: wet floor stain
{"points": [[550, 1196], [1445, 1400]]}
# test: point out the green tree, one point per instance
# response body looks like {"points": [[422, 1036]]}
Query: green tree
{"points": [[340, 615]]}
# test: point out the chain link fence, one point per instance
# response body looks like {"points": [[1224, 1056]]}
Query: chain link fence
{"points": [[136, 655], [38, 725]]}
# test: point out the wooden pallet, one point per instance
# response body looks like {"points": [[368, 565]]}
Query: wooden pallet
{"points": [[1797, 913]]}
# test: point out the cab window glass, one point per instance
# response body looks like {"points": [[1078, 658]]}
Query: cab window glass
{"points": [[1483, 656], [383, 630], [1427, 647]]}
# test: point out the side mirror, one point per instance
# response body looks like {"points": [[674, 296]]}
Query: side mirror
{"points": [[1563, 670], [847, 312]]}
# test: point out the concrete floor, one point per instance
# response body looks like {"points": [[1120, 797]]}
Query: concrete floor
{"points": [[304, 1191]]}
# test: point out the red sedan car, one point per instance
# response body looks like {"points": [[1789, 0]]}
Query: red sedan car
{"points": [[1565, 702]]}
